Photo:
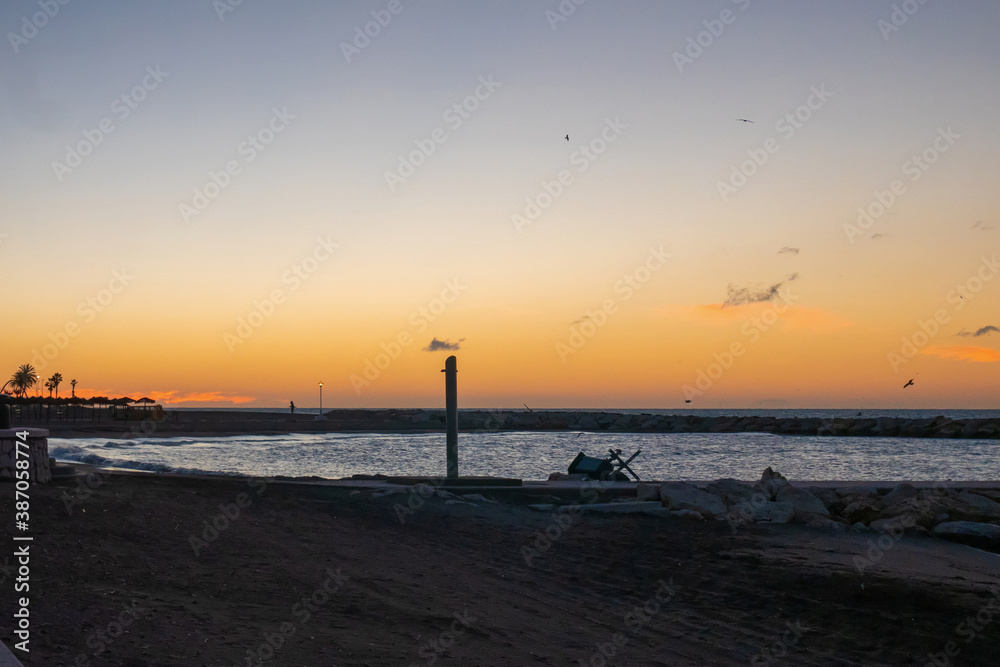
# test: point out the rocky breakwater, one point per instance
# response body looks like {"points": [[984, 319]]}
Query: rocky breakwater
{"points": [[522, 420], [969, 516]]}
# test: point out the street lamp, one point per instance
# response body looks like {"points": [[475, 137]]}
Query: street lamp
{"points": [[320, 400]]}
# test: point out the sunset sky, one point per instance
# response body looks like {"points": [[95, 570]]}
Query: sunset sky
{"points": [[221, 204]]}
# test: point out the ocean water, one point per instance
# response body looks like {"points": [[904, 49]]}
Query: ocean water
{"points": [[534, 455]]}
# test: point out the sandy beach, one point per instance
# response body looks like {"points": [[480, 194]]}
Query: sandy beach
{"points": [[162, 570]]}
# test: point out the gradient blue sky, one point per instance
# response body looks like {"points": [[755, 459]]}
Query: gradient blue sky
{"points": [[656, 186]]}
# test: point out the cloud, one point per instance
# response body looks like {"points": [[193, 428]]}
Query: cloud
{"points": [[436, 345], [982, 226], [988, 329], [786, 249], [876, 235], [962, 353], [739, 296], [175, 397]]}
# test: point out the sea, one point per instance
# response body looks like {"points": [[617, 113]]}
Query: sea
{"points": [[533, 455]]}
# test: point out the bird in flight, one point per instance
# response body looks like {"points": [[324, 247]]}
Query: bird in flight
{"points": [[744, 120], [908, 384], [688, 400], [567, 137]]}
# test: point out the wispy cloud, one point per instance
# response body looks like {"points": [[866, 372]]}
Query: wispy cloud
{"points": [[436, 345], [787, 250], [738, 296], [963, 353], [175, 397], [876, 235], [982, 226], [988, 329]]}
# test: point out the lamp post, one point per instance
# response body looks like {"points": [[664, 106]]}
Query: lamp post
{"points": [[320, 400]]}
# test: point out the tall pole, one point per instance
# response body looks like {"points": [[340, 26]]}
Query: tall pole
{"points": [[451, 412], [320, 399]]}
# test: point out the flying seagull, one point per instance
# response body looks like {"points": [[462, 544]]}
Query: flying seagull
{"points": [[744, 120], [688, 400], [907, 384], [567, 137]]}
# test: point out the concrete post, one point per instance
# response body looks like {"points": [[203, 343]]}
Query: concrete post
{"points": [[451, 413]]}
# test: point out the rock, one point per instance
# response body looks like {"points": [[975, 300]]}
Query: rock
{"points": [[985, 506], [855, 492], [862, 509], [731, 491], [688, 514], [478, 496], [773, 512], [647, 491], [828, 497], [902, 492], [684, 496], [979, 535], [770, 482], [894, 526], [555, 476], [587, 423], [860, 528], [458, 502], [801, 500], [542, 507], [630, 507]]}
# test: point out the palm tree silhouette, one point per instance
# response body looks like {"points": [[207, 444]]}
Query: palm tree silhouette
{"points": [[23, 379], [55, 381], [73, 383]]}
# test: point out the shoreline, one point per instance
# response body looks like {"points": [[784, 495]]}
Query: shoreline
{"points": [[207, 423]]}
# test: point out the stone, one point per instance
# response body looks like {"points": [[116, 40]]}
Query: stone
{"points": [[684, 496], [477, 496], [828, 497], [979, 535], [542, 507], [587, 423], [985, 506], [631, 507], [647, 491], [855, 492], [862, 509], [801, 500], [900, 493], [773, 512], [860, 528], [731, 491], [770, 482], [687, 514]]}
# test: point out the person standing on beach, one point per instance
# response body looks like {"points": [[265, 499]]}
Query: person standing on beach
{"points": [[291, 406]]}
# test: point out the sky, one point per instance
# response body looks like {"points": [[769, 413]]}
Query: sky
{"points": [[224, 204]]}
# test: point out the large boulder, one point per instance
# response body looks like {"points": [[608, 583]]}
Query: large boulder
{"points": [[980, 535], [731, 491], [900, 493], [801, 500], [830, 498], [684, 496], [770, 483], [773, 512], [986, 507], [863, 509]]}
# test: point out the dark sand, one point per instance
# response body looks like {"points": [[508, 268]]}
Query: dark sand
{"points": [[734, 596]]}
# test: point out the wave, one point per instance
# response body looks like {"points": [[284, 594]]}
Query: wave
{"points": [[79, 455]]}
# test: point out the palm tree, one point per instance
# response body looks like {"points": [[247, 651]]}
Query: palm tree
{"points": [[56, 380], [49, 386], [23, 380], [73, 383]]}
